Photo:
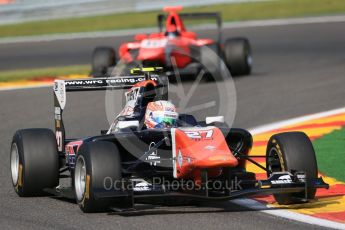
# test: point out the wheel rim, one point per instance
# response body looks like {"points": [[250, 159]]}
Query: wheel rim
{"points": [[273, 162], [14, 163], [80, 178]]}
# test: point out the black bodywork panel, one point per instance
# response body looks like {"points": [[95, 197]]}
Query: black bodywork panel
{"points": [[147, 153]]}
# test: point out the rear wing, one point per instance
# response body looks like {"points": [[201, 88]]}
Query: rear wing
{"points": [[195, 16], [61, 87]]}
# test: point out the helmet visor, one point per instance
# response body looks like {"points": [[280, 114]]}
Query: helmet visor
{"points": [[165, 118]]}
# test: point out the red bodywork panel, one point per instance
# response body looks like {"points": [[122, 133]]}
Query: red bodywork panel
{"points": [[72, 147], [198, 148], [159, 46]]}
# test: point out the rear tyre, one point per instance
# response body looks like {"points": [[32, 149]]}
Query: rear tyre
{"points": [[238, 56], [292, 151], [34, 161], [102, 59], [97, 168]]}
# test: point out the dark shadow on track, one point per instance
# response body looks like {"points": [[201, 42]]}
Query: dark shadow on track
{"points": [[150, 209]]}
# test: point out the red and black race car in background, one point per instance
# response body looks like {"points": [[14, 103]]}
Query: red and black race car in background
{"points": [[176, 47]]}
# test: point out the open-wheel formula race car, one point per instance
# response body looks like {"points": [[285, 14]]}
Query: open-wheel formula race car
{"points": [[130, 163], [175, 47]]}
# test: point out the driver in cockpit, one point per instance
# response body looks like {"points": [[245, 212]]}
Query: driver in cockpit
{"points": [[160, 115]]}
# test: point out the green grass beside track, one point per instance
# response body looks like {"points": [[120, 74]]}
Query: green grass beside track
{"points": [[330, 152], [14, 75], [230, 12]]}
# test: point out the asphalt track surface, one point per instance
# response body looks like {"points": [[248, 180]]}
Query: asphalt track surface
{"points": [[298, 70]]}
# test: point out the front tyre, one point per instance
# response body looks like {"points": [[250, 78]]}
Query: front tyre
{"points": [[291, 152], [34, 161], [97, 164]]}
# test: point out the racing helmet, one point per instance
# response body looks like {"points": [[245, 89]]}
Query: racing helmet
{"points": [[160, 114]]}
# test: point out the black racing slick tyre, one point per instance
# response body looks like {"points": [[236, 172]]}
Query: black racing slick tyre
{"points": [[97, 169], [102, 59], [238, 56], [34, 161], [292, 152]]}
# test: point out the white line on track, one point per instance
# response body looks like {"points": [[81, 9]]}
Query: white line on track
{"points": [[126, 32], [252, 204], [280, 124], [255, 205]]}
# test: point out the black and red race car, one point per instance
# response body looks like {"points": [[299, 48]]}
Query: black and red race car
{"points": [[130, 163], [175, 47]]}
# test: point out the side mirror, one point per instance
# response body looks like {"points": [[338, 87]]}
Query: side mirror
{"points": [[140, 37], [128, 124], [210, 120]]}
